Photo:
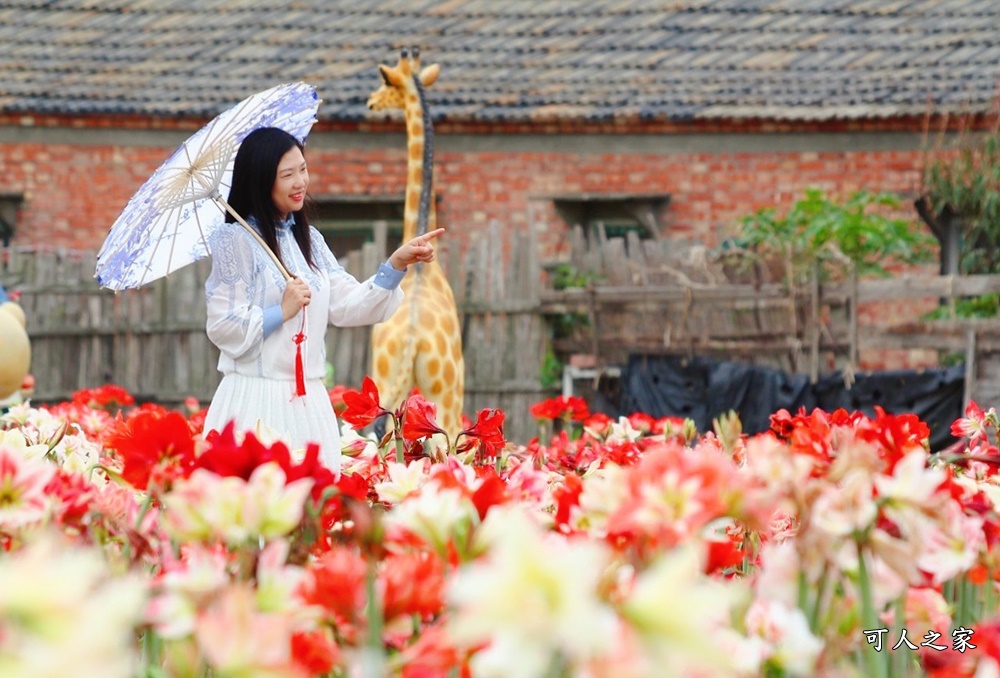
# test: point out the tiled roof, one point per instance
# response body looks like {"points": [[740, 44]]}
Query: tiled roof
{"points": [[510, 60]]}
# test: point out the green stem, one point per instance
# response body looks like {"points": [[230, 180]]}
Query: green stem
{"points": [[375, 621], [803, 593], [962, 615], [876, 666], [152, 647], [143, 510], [818, 602], [898, 667]]}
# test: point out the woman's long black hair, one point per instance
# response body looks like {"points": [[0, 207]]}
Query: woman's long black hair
{"points": [[254, 171]]}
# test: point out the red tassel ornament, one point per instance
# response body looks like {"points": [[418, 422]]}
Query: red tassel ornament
{"points": [[300, 375]]}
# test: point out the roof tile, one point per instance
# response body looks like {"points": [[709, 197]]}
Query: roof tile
{"points": [[795, 59]]}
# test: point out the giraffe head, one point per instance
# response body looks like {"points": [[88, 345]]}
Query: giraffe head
{"points": [[397, 81]]}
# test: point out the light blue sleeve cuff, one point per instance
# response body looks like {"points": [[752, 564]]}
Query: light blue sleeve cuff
{"points": [[272, 320], [388, 277]]}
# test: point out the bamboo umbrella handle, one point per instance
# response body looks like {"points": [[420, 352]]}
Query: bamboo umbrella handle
{"points": [[251, 231]]}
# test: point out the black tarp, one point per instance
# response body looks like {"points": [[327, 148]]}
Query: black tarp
{"points": [[703, 388]]}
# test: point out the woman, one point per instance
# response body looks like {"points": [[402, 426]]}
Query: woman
{"points": [[254, 316]]}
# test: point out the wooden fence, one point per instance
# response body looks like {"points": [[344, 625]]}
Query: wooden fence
{"points": [[653, 297], [152, 341], [643, 297]]}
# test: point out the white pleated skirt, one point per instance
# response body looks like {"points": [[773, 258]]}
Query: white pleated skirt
{"points": [[297, 421]]}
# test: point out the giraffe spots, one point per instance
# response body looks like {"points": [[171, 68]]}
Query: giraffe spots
{"points": [[431, 319], [433, 366], [392, 346], [448, 324], [442, 343], [423, 346], [382, 365], [456, 351], [436, 387], [448, 401], [449, 372], [413, 201], [412, 99]]}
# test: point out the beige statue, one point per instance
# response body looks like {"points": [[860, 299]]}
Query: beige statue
{"points": [[15, 349]]}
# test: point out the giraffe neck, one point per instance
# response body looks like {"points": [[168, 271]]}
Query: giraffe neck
{"points": [[418, 213]]}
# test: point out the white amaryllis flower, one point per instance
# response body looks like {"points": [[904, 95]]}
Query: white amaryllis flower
{"points": [[78, 454], [604, 491], [239, 639], [778, 576], [404, 480], [952, 546], [911, 482], [15, 440], [279, 506], [847, 507], [185, 586], [622, 432], [63, 614], [532, 597], [278, 584], [769, 460], [40, 424], [208, 507], [791, 645], [18, 414], [676, 610], [433, 514]]}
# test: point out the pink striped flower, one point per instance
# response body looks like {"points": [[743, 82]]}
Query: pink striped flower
{"points": [[23, 500]]}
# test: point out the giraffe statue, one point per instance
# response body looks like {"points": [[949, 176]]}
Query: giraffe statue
{"points": [[421, 344]]}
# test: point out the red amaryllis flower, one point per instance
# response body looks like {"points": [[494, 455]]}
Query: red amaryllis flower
{"points": [[434, 655], [598, 423], [973, 425], [487, 432], [899, 434], [226, 457], [575, 408], [336, 582], [108, 397], [315, 652], [491, 492], [782, 423], [419, 419], [567, 407], [362, 408], [641, 421], [723, 555], [412, 584], [567, 495], [337, 398], [154, 448], [550, 408]]}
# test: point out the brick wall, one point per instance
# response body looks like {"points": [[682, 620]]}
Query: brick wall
{"points": [[72, 193]]}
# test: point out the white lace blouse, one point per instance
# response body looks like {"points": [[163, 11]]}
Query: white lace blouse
{"points": [[244, 293]]}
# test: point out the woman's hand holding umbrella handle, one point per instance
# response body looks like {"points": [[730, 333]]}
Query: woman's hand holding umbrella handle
{"points": [[297, 295]]}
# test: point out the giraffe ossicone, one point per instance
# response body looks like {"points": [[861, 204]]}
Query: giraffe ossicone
{"points": [[420, 346]]}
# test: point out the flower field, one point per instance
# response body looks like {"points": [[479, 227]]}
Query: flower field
{"points": [[833, 545]]}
